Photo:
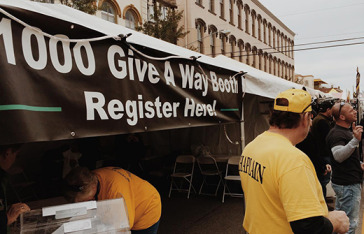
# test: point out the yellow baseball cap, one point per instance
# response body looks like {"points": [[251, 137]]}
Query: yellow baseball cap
{"points": [[293, 100]]}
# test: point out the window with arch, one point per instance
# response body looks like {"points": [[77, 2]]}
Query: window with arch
{"points": [[247, 53], [131, 19], [265, 61], [108, 11], [200, 38], [274, 66], [241, 50], [255, 53], [269, 34], [201, 28], [222, 9], [253, 24], [279, 68], [240, 7], [259, 28], [223, 43], [212, 6], [232, 40], [212, 44], [265, 31], [260, 61], [231, 11], [246, 9], [274, 37]]}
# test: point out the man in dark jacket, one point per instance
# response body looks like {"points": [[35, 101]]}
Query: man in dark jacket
{"points": [[321, 125]]}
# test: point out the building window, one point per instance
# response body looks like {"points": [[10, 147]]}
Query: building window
{"points": [[213, 43], [269, 35], [247, 53], [231, 11], [108, 12], [259, 29], [199, 2], [265, 62], [222, 9], [212, 6], [253, 25], [200, 32], [274, 38], [247, 20], [239, 16], [232, 46], [223, 44], [254, 52], [265, 33], [130, 19], [241, 48]]}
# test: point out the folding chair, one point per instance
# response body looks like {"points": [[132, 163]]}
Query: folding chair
{"points": [[232, 174], [209, 168], [183, 171]]}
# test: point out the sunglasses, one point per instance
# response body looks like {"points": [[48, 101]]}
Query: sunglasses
{"points": [[341, 105]]}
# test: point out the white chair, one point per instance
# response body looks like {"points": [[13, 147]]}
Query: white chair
{"points": [[183, 171], [209, 168], [232, 176]]}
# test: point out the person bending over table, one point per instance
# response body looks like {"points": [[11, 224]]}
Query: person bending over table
{"points": [[142, 200]]}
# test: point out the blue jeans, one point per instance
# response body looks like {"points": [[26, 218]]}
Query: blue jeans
{"points": [[151, 230], [348, 200]]}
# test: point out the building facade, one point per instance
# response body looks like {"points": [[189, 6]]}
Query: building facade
{"points": [[241, 29]]}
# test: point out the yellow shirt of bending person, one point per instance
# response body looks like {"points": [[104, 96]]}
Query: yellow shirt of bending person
{"points": [[141, 198], [280, 185]]}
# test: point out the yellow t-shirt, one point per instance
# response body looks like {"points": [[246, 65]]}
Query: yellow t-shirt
{"points": [[280, 185], [141, 198]]}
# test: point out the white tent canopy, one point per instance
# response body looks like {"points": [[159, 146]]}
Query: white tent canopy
{"points": [[257, 82]]}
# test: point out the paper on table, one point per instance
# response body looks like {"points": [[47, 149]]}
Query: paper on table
{"points": [[48, 211]]}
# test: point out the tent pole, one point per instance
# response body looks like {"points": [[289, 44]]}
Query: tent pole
{"points": [[242, 126]]}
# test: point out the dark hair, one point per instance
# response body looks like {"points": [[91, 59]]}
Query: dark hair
{"points": [[13, 148], [326, 104], [78, 181], [284, 119]]}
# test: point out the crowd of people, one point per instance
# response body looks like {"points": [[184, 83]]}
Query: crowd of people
{"points": [[298, 157], [302, 152]]}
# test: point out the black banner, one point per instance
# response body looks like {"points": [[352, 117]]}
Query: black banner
{"points": [[53, 88]]}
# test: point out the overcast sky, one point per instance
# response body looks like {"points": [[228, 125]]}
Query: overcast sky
{"points": [[325, 20]]}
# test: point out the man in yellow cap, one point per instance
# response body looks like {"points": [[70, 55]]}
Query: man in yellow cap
{"points": [[282, 192]]}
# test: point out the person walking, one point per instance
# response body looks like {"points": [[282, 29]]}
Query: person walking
{"points": [[282, 192], [347, 168]]}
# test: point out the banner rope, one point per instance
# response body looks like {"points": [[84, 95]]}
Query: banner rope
{"points": [[155, 58], [228, 138], [52, 36]]}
